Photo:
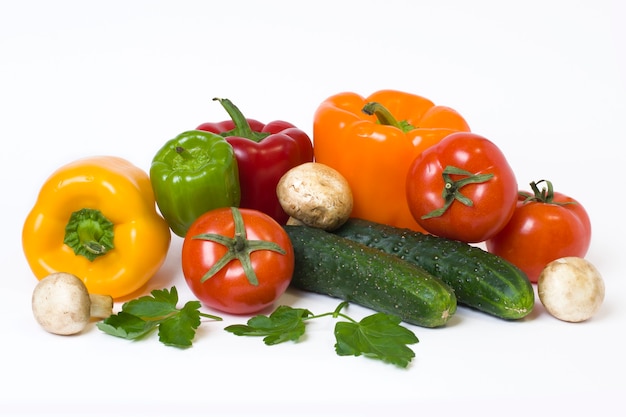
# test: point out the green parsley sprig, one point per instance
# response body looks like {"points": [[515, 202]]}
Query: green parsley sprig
{"points": [[378, 336], [139, 317]]}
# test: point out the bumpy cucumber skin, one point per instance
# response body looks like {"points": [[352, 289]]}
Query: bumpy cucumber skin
{"points": [[329, 264], [480, 280]]}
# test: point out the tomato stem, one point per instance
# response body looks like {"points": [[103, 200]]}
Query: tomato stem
{"points": [[452, 188], [545, 195], [239, 247]]}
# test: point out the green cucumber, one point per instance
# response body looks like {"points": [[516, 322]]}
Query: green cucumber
{"points": [[481, 280], [326, 263]]}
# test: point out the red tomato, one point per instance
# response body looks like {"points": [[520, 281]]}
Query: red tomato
{"points": [[463, 188], [545, 226], [251, 256]]}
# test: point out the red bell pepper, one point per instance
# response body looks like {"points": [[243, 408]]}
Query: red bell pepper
{"points": [[264, 154]]}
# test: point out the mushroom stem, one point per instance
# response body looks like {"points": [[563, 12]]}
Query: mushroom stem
{"points": [[101, 306], [292, 221]]}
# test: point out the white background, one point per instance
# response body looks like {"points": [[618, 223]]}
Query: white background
{"points": [[543, 79]]}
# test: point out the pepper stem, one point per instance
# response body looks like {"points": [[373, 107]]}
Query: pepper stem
{"points": [[184, 153], [89, 233], [242, 126], [385, 117], [239, 248], [452, 189]]}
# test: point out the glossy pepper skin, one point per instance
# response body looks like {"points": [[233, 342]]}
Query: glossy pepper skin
{"points": [[191, 174], [96, 218], [374, 151], [264, 154]]}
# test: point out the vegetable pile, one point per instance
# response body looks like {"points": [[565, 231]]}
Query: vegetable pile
{"points": [[383, 207]]}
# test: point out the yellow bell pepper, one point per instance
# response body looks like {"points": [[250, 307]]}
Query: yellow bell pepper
{"points": [[96, 218]]}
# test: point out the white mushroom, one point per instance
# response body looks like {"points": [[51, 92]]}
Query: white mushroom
{"points": [[571, 289], [316, 195], [62, 305]]}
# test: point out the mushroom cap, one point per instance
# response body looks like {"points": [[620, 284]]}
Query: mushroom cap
{"points": [[316, 195], [571, 289], [61, 304]]}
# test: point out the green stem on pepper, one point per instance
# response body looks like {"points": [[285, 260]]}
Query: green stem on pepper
{"points": [[242, 127], [89, 233], [385, 117], [184, 153]]}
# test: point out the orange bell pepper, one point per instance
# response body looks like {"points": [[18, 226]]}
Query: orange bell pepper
{"points": [[374, 151], [96, 218]]}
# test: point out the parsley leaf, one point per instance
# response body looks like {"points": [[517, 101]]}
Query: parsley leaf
{"points": [[139, 317], [126, 326], [284, 324], [378, 336], [161, 303]]}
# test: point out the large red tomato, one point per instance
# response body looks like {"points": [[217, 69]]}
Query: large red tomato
{"points": [[463, 188], [237, 260], [545, 226]]}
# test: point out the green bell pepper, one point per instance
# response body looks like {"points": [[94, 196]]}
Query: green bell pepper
{"points": [[191, 174]]}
